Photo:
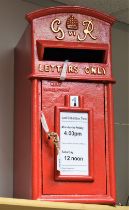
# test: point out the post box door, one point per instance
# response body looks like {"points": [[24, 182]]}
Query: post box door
{"points": [[53, 96]]}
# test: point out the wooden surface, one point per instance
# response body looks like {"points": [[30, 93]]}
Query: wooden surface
{"points": [[21, 204]]}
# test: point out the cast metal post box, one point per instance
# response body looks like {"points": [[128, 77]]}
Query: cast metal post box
{"points": [[64, 134]]}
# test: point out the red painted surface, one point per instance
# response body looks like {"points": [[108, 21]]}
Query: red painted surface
{"points": [[97, 156], [92, 82], [70, 9]]}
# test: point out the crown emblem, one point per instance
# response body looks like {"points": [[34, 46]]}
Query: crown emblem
{"points": [[72, 23]]}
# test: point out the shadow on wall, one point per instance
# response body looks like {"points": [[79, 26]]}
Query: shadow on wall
{"points": [[6, 121], [121, 103]]}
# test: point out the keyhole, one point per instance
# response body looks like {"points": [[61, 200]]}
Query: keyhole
{"points": [[74, 101]]}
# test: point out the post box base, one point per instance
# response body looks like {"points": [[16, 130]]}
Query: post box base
{"points": [[87, 199]]}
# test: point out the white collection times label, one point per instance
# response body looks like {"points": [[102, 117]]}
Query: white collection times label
{"points": [[73, 157]]}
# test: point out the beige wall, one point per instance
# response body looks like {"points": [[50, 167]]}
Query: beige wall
{"points": [[12, 24], [121, 106]]}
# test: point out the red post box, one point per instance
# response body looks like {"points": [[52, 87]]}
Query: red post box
{"points": [[64, 129]]}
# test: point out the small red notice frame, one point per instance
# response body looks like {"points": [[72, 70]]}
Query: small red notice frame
{"points": [[71, 124]]}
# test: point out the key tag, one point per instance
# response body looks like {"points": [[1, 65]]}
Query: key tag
{"points": [[64, 70], [44, 123], [51, 135]]}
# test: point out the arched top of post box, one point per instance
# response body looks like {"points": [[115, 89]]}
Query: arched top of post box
{"points": [[67, 9]]}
